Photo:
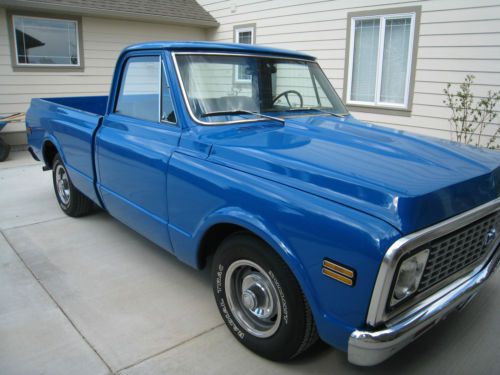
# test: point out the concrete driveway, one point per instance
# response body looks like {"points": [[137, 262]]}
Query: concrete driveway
{"points": [[90, 296]]}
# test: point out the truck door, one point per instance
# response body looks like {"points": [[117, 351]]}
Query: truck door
{"points": [[134, 145]]}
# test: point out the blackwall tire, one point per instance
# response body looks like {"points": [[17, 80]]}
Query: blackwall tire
{"points": [[4, 150], [70, 199], [260, 300]]}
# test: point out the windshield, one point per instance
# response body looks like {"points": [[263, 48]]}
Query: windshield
{"points": [[229, 88]]}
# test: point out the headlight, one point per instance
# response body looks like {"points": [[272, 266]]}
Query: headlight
{"points": [[410, 273]]}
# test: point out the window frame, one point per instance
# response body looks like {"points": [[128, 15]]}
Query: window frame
{"points": [[16, 66], [378, 106], [165, 78], [237, 31]]}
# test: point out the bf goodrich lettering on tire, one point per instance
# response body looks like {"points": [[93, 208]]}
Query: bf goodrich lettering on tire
{"points": [[282, 296], [218, 281], [229, 320]]}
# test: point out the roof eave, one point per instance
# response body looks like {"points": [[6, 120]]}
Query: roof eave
{"points": [[85, 11]]}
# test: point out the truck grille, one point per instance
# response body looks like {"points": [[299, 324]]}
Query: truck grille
{"points": [[455, 251]]}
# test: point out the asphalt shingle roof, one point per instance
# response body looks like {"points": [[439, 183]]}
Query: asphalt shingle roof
{"points": [[182, 11]]}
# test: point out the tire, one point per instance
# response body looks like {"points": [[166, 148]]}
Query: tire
{"points": [[4, 150], [70, 199], [260, 300]]}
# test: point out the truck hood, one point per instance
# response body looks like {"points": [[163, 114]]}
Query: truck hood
{"points": [[406, 180]]}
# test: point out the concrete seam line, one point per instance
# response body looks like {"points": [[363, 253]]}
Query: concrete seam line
{"points": [[2, 168], [56, 303], [169, 348], [38, 222]]}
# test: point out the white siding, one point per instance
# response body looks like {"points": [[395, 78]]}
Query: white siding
{"points": [[103, 39], [457, 37]]}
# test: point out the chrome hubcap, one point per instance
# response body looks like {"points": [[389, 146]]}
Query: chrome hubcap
{"points": [[252, 298], [62, 184], [257, 295], [249, 299]]}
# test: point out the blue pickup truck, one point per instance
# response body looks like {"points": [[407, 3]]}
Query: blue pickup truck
{"points": [[315, 224]]}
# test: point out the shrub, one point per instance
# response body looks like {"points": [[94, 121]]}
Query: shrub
{"points": [[471, 115]]}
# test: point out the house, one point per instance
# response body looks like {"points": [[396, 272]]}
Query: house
{"points": [[425, 43], [390, 61], [69, 47]]}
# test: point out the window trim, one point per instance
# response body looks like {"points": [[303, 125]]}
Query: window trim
{"points": [[16, 66], [238, 29], [377, 106], [164, 78]]}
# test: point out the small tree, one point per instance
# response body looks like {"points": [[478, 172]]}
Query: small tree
{"points": [[471, 116]]}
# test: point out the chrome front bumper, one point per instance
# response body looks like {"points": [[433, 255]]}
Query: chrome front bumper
{"points": [[368, 348]]}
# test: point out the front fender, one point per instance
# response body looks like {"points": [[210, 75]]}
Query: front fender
{"points": [[302, 228], [254, 224]]}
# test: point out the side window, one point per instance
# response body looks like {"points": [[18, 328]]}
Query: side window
{"points": [[167, 108], [139, 95]]}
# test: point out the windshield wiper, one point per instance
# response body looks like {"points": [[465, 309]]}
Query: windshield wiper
{"points": [[317, 109], [242, 112]]}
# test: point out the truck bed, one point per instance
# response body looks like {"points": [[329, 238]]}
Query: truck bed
{"points": [[72, 122], [91, 104]]}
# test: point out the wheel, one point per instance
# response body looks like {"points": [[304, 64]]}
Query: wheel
{"points": [[4, 150], [70, 199], [260, 300]]}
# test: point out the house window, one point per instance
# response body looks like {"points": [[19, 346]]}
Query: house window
{"points": [[243, 35], [45, 42], [380, 68]]}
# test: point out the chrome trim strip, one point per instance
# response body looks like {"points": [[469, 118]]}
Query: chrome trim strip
{"points": [[376, 312], [368, 348], [163, 74], [160, 93], [183, 89]]}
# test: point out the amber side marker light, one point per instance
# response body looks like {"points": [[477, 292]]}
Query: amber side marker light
{"points": [[338, 272]]}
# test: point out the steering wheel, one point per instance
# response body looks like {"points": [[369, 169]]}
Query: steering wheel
{"points": [[285, 94]]}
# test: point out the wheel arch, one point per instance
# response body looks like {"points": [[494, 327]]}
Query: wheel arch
{"points": [[228, 221], [224, 224], [213, 237], [49, 151]]}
